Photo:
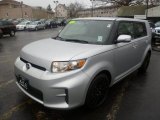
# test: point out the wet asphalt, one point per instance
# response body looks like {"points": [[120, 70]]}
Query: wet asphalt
{"points": [[137, 97]]}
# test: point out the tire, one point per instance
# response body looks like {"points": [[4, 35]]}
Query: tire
{"points": [[97, 92], [1, 35], [12, 33], [145, 63]]}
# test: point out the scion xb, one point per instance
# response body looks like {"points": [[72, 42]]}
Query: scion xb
{"points": [[80, 64]]}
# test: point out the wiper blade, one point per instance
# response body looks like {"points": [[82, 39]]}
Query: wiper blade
{"points": [[58, 38], [75, 40]]}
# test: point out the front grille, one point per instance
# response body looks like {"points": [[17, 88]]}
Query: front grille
{"points": [[31, 90], [33, 65]]}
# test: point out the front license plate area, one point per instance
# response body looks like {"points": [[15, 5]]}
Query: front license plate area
{"points": [[23, 82]]}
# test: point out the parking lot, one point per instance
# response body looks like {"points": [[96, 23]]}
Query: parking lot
{"points": [[135, 98]]}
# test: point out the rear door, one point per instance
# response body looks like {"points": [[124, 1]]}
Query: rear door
{"points": [[141, 39]]}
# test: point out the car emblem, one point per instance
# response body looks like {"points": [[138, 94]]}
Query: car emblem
{"points": [[28, 66]]}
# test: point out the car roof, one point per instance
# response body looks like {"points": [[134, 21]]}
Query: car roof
{"points": [[110, 18]]}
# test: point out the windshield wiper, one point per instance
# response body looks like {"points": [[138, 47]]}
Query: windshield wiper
{"points": [[75, 40], [58, 38]]}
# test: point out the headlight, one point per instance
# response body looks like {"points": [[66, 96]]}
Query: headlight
{"points": [[67, 66]]}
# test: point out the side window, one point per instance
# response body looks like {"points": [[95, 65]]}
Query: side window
{"points": [[140, 29], [1, 23], [9, 23], [126, 28]]}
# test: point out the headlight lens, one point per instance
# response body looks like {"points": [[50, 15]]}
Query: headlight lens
{"points": [[67, 66]]}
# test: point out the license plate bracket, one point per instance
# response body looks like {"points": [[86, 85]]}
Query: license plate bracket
{"points": [[24, 83]]}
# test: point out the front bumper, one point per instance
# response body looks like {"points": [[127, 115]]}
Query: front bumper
{"points": [[20, 28], [31, 28], [55, 90]]}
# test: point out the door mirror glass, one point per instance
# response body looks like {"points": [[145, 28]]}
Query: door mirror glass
{"points": [[124, 38]]}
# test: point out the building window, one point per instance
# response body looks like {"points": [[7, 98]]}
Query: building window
{"points": [[25, 13], [7, 14]]}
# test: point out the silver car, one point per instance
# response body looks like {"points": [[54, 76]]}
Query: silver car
{"points": [[80, 65], [36, 25]]}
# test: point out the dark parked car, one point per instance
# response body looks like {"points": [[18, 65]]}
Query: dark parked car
{"points": [[1, 33], [7, 28], [51, 24], [152, 26]]}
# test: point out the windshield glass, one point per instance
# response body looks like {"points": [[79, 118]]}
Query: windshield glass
{"points": [[22, 23], [33, 23], [157, 24], [88, 31]]}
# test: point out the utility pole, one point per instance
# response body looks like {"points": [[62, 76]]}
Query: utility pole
{"points": [[147, 9], [92, 1], [56, 2], [22, 8]]}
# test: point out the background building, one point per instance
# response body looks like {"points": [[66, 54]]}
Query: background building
{"points": [[12, 9], [130, 11], [108, 11], [61, 11]]}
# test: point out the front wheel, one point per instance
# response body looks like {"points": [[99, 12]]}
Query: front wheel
{"points": [[1, 35], [36, 29], [145, 64], [12, 33], [97, 92]]}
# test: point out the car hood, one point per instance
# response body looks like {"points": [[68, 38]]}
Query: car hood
{"points": [[20, 25], [31, 25], [44, 52]]}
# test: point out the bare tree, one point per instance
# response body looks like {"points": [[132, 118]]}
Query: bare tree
{"points": [[49, 8], [124, 2], [74, 8], [132, 2]]}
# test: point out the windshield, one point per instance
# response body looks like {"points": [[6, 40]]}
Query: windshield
{"points": [[23, 23], [88, 31], [33, 23], [157, 24]]}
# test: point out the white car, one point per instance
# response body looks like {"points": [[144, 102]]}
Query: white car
{"points": [[157, 30], [22, 25]]}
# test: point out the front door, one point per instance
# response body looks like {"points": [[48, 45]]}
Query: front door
{"points": [[126, 53]]}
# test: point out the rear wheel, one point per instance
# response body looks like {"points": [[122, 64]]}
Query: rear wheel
{"points": [[12, 33], [1, 35], [145, 64], [97, 92]]}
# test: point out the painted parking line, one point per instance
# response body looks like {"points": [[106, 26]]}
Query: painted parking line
{"points": [[7, 115], [2, 56], [4, 61], [116, 106], [6, 83]]}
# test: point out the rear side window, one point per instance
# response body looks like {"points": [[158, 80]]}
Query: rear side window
{"points": [[140, 29]]}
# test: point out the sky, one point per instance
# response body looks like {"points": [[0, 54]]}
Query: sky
{"points": [[45, 3]]}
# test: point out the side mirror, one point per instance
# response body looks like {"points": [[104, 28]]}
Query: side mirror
{"points": [[124, 38]]}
